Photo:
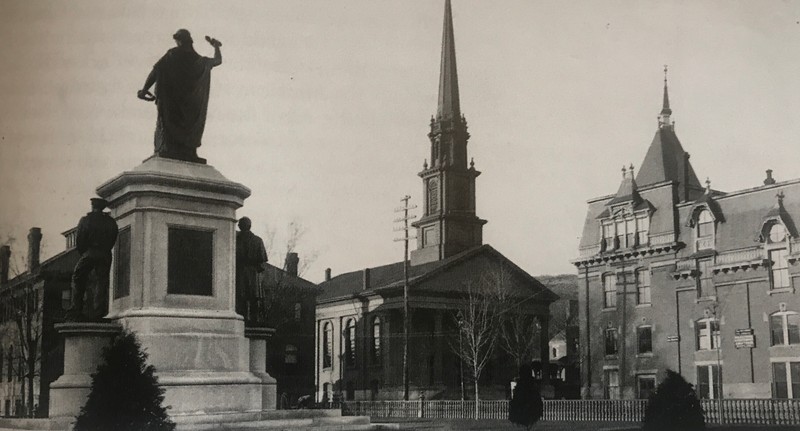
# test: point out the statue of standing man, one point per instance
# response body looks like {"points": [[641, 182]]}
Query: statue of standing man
{"points": [[95, 237], [182, 78], [251, 257]]}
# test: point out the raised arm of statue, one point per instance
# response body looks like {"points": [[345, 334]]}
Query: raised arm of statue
{"points": [[217, 53]]}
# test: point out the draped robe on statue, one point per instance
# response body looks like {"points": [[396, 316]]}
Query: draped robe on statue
{"points": [[183, 80]]}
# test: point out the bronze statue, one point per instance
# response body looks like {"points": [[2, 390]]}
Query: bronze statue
{"points": [[182, 78], [251, 257], [96, 236]]}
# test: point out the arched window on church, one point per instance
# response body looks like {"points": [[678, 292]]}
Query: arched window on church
{"points": [[350, 343], [376, 340], [327, 345]]}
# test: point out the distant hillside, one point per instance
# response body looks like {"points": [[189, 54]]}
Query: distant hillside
{"points": [[563, 285]]}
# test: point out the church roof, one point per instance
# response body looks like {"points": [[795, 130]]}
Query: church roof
{"points": [[438, 277], [665, 161], [449, 105]]}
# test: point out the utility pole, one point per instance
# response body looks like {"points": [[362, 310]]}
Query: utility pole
{"points": [[406, 237]]}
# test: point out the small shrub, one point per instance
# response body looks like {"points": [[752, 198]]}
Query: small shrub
{"points": [[674, 406], [125, 395], [526, 406]]}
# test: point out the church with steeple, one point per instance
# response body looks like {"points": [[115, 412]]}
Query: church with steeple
{"points": [[678, 275], [360, 314]]}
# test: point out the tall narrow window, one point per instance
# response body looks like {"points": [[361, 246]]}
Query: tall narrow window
{"points": [[611, 380], [644, 334], [707, 334], [705, 281], [609, 291], [784, 328], [646, 385], [608, 237], [290, 354], [708, 381], [786, 379], [642, 228], [433, 195], [376, 340], [779, 268], [10, 362], [611, 336], [704, 231], [620, 239], [630, 232], [327, 345], [643, 286], [350, 343]]}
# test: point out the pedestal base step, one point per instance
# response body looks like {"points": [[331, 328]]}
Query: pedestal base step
{"points": [[332, 423]]}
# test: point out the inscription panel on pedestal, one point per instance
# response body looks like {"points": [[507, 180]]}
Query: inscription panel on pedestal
{"points": [[190, 261]]}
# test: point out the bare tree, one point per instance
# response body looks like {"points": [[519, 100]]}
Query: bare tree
{"points": [[519, 335], [28, 318], [477, 325]]}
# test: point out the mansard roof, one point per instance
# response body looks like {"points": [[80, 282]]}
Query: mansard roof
{"points": [[666, 161], [443, 277]]}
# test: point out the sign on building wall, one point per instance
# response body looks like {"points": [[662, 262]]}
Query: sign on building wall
{"points": [[744, 338]]}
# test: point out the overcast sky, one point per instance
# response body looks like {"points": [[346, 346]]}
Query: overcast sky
{"points": [[322, 108]]}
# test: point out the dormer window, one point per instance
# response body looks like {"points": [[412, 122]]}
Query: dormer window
{"points": [[625, 230], [777, 233], [704, 231]]}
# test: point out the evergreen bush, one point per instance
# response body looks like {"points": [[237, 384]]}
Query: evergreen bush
{"points": [[125, 395], [674, 406]]}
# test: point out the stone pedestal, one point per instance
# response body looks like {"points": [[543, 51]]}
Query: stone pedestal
{"points": [[258, 365], [173, 283], [83, 349]]}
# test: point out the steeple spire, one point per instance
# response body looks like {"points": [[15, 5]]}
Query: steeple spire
{"points": [[663, 118], [449, 106]]}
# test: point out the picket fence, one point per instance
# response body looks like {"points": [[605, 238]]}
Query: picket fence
{"points": [[734, 411]]}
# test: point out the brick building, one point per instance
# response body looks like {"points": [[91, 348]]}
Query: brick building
{"points": [[677, 275], [360, 314]]}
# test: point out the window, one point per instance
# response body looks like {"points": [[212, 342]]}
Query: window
{"points": [[784, 328], [610, 291], [620, 238], [290, 354], [786, 379], [66, 299], [10, 371], [630, 232], [704, 231], [433, 195], [705, 282], [555, 353], [779, 268], [708, 381], [608, 237], [350, 343], [327, 345], [707, 334], [376, 340], [645, 385], [298, 308], [642, 228], [611, 336], [644, 335], [777, 233], [611, 379], [643, 286]]}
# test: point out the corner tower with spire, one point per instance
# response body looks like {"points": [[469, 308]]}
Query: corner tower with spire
{"points": [[449, 224], [666, 159]]}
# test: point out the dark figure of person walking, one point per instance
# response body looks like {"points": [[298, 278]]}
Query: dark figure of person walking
{"points": [[526, 406], [96, 236]]}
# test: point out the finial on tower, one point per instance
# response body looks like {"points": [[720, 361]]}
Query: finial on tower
{"points": [[663, 118], [425, 165], [708, 185], [624, 171], [472, 163], [631, 171]]}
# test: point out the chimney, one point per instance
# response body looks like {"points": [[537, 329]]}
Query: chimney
{"points": [[5, 261], [366, 278], [34, 246], [327, 274], [291, 263], [769, 180]]}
